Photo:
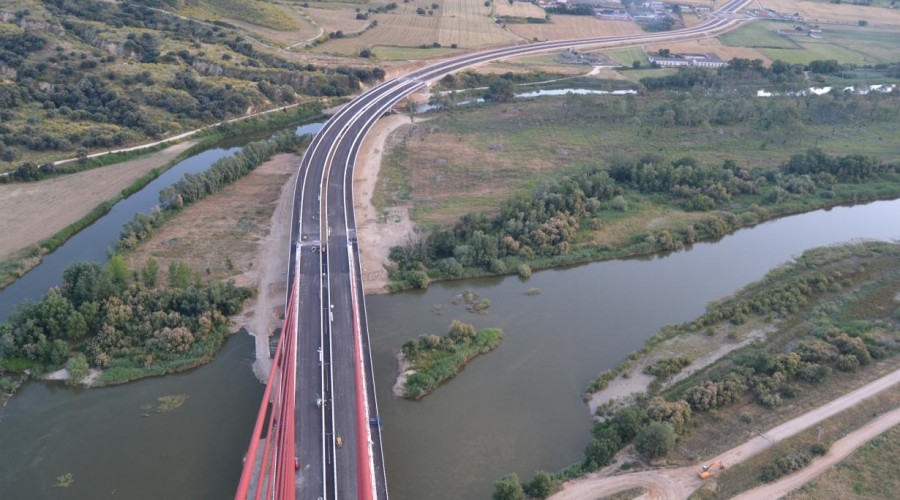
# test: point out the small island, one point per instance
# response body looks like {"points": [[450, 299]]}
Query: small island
{"points": [[429, 360]]}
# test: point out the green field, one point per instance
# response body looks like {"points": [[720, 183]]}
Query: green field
{"points": [[627, 56], [855, 45], [259, 13], [759, 35]]}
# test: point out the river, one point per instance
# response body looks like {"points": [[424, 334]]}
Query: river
{"points": [[517, 409]]}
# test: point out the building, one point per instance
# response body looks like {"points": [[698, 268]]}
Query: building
{"points": [[688, 61]]}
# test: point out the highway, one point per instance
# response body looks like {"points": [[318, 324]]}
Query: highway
{"points": [[333, 359]]}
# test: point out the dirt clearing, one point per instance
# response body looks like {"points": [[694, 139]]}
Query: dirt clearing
{"points": [[377, 234], [33, 211]]}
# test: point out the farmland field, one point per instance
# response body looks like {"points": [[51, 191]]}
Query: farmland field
{"points": [[391, 53], [841, 13], [303, 31], [518, 9], [337, 19], [562, 27], [462, 22]]}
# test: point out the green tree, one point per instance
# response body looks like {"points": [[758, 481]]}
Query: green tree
{"points": [[77, 367], [150, 272], [500, 90], [541, 485], [628, 421], [179, 275], [118, 270], [508, 488], [655, 440]]}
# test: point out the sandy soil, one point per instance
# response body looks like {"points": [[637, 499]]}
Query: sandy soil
{"points": [[838, 451], [703, 350], [679, 483], [33, 211], [261, 318], [376, 236], [63, 374], [404, 372]]}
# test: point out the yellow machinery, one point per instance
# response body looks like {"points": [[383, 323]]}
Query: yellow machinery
{"points": [[706, 470]]}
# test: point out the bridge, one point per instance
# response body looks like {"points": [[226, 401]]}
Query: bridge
{"points": [[318, 431]]}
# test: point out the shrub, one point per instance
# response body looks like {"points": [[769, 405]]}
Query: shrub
{"points": [[78, 368], [847, 363], [508, 488], [524, 271], [665, 368], [655, 440], [540, 486], [628, 421]]}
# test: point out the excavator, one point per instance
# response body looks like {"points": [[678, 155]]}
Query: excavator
{"points": [[705, 471]]}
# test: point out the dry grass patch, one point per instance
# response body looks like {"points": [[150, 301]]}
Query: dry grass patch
{"points": [[711, 46], [465, 23], [518, 9], [564, 27], [228, 224], [843, 13], [36, 210], [333, 20], [303, 31]]}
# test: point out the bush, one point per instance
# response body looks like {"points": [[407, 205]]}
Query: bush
{"points": [[847, 363], [524, 272], [541, 485], [603, 448], [655, 440], [418, 279], [665, 368], [78, 368], [508, 488], [628, 421]]}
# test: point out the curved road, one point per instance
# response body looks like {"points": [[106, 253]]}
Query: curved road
{"points": [[333, 355]]}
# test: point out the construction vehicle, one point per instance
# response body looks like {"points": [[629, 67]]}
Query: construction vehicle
{"points": [[706, 470]]}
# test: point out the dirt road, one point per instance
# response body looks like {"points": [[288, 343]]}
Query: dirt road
{"points": [[679, 483], [840, 450]]}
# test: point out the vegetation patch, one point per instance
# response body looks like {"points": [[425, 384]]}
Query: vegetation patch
{"points": [[436, 359], [170, 402]]}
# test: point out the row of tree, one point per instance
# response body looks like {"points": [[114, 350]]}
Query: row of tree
{"points": [[194, 187]]}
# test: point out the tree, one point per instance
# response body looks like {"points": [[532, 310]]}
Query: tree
{"points": [[627, 421], [508, 488], [636, 64], [500, 90], [366, 53], [540, 486], [77, 367], [663, 52], [412, 108], [150, 272], [655, 440], [179, 275], [118, 270]]}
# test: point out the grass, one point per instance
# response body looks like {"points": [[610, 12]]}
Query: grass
{"points": [[251, 11], [627, 56], [746, 475], [869, 473], [472, 159], [394, 53], [759, 35]]}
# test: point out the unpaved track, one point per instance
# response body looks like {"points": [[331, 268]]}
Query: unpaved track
{"points": [[840, 450], [679, 483]]}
